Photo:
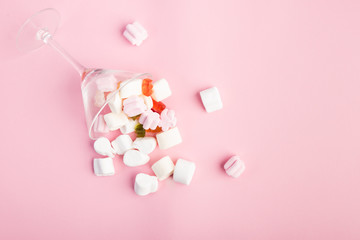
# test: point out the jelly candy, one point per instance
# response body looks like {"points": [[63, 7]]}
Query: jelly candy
{"points": [[156, 130], [135, 117], [118, 84], [147, 87], [158, 106], [139, 130]]}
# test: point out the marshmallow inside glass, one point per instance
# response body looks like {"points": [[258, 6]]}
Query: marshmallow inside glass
{"points": [[113, 99]]}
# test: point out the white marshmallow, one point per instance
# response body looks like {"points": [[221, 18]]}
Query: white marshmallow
{"points": [[135, 33], [211, 99], [134, 158], [102, 146], [115, 102], [99, 99], [161, 90], [169, 138], [104, 167], [129, 127], [115, 121], [148, 102], [122, 144], [100, 125], [145, 144], [184, 171], [163, 168], [145, 184], [130, 88]]}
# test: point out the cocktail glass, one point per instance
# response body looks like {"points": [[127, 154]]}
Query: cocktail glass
{"points": [[39, 30]]}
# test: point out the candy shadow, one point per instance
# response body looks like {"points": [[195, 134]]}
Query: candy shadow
{"points": [[224, 160], [132, 180], [198, 98]]}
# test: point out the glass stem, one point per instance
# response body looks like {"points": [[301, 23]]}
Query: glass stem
{"points": [[52, 43]]}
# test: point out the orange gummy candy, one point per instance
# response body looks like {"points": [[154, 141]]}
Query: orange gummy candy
{"points": [[118, 84], [156, 130], [158, 106], [147, 87], [106, 94]]}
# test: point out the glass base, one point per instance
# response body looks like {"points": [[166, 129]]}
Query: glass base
{"points": [[30, 35]]}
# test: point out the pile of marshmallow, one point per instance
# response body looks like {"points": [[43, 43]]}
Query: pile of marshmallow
{"points": [[136, 106]]}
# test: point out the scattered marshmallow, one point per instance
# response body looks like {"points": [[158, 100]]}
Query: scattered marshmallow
{"points": [[145, 184], [184, 171], [115, 121], [103, 147], [169, 138], [149, 119], [104, 167], [100, 125], [106, 84], [135, 33], [99, 99], [168, 119], [122, 144], [148, 102], [134, 158], [134, 106], [145, 144], [161, 90], [115, 102], [129, 127], [211, 99], [130, 88], [234, 167], [163, 168]]}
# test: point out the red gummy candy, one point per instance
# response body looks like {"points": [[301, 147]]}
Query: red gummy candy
{"points": [[158, 106], [147, 87]]}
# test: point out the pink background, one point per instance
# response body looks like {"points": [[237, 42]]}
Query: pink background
{"points": [[288, 73]]}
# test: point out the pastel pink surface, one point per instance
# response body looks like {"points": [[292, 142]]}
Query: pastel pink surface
{"points": [[288, 74]]}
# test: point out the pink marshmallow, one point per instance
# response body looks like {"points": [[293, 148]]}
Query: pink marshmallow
{"points": [[149, 119], [106, 84], [168, 119], [234, 167], [134, 105], [100, 125]]}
